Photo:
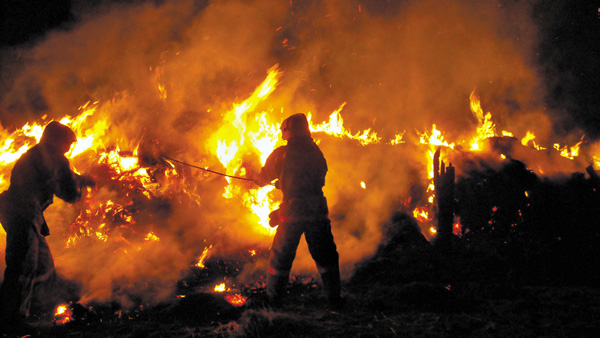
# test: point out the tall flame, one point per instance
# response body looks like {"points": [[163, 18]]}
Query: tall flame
{"points": [[486, 127]]}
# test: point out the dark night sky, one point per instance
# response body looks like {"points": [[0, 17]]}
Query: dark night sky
{"points": [[569, 47]]}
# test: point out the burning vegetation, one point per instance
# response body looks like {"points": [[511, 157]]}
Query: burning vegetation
{"points": [[179, 104]]}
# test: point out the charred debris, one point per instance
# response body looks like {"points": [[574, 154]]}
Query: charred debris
{"points": [[496, 225]]}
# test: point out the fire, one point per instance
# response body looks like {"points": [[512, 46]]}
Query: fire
{"points": [[200, 263], [530, 136], [246, 134], [421, 214], [63, 314], [398, 139], [432, 140], [237, 136], [435, 139], [335, 127], [151, 237], [244, 130], [247, 131], [236, 299], [569, 152], [221, 288], [486, 127]]}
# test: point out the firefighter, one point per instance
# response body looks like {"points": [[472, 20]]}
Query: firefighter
{"points": [[299, 169], [39, 174]]}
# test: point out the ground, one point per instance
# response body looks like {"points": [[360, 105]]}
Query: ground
{"points": [[408, 288]]}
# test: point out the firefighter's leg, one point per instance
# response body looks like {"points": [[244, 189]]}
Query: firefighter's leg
{"points": [[30, 271], [43, 296], [283, 252], [324, 252], [332, 285], [18, 267]]}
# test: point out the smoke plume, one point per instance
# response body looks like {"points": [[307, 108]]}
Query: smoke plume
{"points": [[164, 73]]}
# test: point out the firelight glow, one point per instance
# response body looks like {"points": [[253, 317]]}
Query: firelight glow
{"points": [[248, 126]]}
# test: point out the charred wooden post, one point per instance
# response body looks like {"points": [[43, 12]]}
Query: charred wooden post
{"points": [[594, 179], [444, 181]]}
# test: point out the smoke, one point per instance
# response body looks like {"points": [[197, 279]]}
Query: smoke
{"points": [[165, 72]]}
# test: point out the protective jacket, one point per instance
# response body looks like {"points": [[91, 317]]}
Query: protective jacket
{"points": [[300, 169], [37, 176]]}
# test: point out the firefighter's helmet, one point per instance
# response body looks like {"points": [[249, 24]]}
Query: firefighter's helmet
{"points": [[296, 125], [57, 133]]}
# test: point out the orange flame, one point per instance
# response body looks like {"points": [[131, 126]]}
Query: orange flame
{"points": [[63, 314], [486, 127], [335, 127], [221, 288], [200, 263]]}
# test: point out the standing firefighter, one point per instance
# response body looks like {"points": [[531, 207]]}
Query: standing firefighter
{"points": [[42, 172], [300, 169]]}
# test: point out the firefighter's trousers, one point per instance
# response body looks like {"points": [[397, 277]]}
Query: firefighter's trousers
{"points": [[321, 246], [28, 264]]}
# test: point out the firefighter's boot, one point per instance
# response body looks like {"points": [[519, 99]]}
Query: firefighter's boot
{"points": [[276, 288], [332, 287]]}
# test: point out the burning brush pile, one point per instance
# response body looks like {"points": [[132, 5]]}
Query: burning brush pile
{"points": [[177, 105]]}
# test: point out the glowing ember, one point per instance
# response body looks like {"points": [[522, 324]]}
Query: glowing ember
{"points": [[457, 228], [63, 314], [236, 299]]}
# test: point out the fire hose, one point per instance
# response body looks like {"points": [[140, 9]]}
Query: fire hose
{"points": [[205, 169], [273, 216]]}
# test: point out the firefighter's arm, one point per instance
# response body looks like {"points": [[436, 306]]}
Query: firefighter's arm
{"points": [[70, 183], [271, 169]]}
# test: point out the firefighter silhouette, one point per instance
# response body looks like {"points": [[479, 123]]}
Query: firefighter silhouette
{"points": [[300, 168], [37, 176]]}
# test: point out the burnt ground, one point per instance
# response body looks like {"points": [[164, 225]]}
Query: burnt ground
{"points": [[409, 288], [525, 265]]}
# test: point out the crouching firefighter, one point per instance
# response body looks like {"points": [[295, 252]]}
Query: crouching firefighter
{"points": [[39, 174], [299, 168]]}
